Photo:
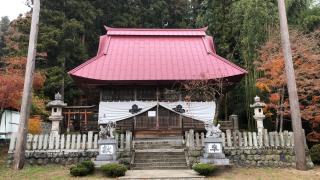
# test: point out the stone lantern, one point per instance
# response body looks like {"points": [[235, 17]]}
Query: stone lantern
{"points": [[56, 113], [258, 113]]}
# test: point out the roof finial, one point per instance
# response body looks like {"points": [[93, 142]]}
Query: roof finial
{"points": [[57, 96]]}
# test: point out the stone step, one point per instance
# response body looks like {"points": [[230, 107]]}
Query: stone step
{"points": [[166, 153], [148, 154], [169, 154], [160, 151], [169, 138], [159, 167], [159, 141], [174, 159], [161, 164], [156, 141], [163, 158], [164, 174], [157, 146]]}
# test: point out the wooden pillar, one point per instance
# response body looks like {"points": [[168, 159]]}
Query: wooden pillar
{"points": [[85, 120], [80, 119], [134, 117], [101, 93], [157, 113], [68, 121], [180, 116]]}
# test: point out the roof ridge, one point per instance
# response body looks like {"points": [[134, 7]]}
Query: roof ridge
{"points": [[208, 49], [85, 63], [228, 62], [104, 52], [156, 29]]}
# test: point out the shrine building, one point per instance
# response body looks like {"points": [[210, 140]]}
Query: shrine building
{"points": [[137, 74]]}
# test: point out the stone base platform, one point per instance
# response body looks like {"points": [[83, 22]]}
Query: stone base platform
{"points": [[162, 174], [214, 152]]}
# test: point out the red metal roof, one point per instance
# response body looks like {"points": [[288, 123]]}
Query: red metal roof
{"points": [[155, 55]]}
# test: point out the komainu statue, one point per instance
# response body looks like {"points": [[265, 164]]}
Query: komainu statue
{"points": [[212, 130], [106, 130]]}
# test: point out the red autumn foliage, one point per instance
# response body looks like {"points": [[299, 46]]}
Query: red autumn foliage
{"points": [[11, 82], [306, 59], [34, 126]]}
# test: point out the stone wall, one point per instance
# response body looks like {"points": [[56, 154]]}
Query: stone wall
{"points": [[68, 149], [63, 158], [254, 157], [249, 149], [264, 157], [241, 148]]}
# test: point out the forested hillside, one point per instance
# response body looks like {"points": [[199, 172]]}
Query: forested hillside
{"points": [[244, 31]]}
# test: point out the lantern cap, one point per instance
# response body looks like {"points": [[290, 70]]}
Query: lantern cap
{"points": [[57, 102], [257, 103]]}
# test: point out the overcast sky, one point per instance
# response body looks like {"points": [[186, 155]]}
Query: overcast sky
{"points": [[12, 8]]}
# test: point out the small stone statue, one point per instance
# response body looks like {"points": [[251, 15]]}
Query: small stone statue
{"points": [[107, 131], [212, 130]]}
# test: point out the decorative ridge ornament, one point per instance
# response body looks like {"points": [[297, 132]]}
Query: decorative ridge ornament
{"points": [[135, 109], [179, 109]]}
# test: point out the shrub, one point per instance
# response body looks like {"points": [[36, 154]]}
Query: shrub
{"points": [[315, 153], [89, 165], [34, 126], [125, 162], [114, 170], [204, 169], [79, 170]]}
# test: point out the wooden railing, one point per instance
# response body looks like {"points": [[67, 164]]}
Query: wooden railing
{"points": [[69, 142], [89, 141], [234, 139]]}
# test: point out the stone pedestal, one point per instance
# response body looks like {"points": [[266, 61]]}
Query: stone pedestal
{"points": [[259, 121], [107, 152], [213, 152], [55, 127]]}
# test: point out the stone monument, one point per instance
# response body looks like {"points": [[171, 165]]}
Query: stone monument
{"points": [[107, 144], [213, 150], [235, 121], [56, 113], [258, 113]]}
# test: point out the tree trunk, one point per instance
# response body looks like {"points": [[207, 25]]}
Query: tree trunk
{"points": [[298, 133], [1, 112], [19, 153], [281, 109], [278, 112], [218, 106], [62, 81]]}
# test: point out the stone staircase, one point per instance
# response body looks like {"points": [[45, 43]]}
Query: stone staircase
{"points": [[160, 153]]}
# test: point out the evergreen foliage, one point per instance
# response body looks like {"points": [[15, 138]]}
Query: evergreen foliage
{"points": [[315, 153], [69, 32], [114, 170], [79, 170], [89, 165], [204, 169]]}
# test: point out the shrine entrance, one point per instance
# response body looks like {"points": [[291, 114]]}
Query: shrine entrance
{"points": [[159, 122]]}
